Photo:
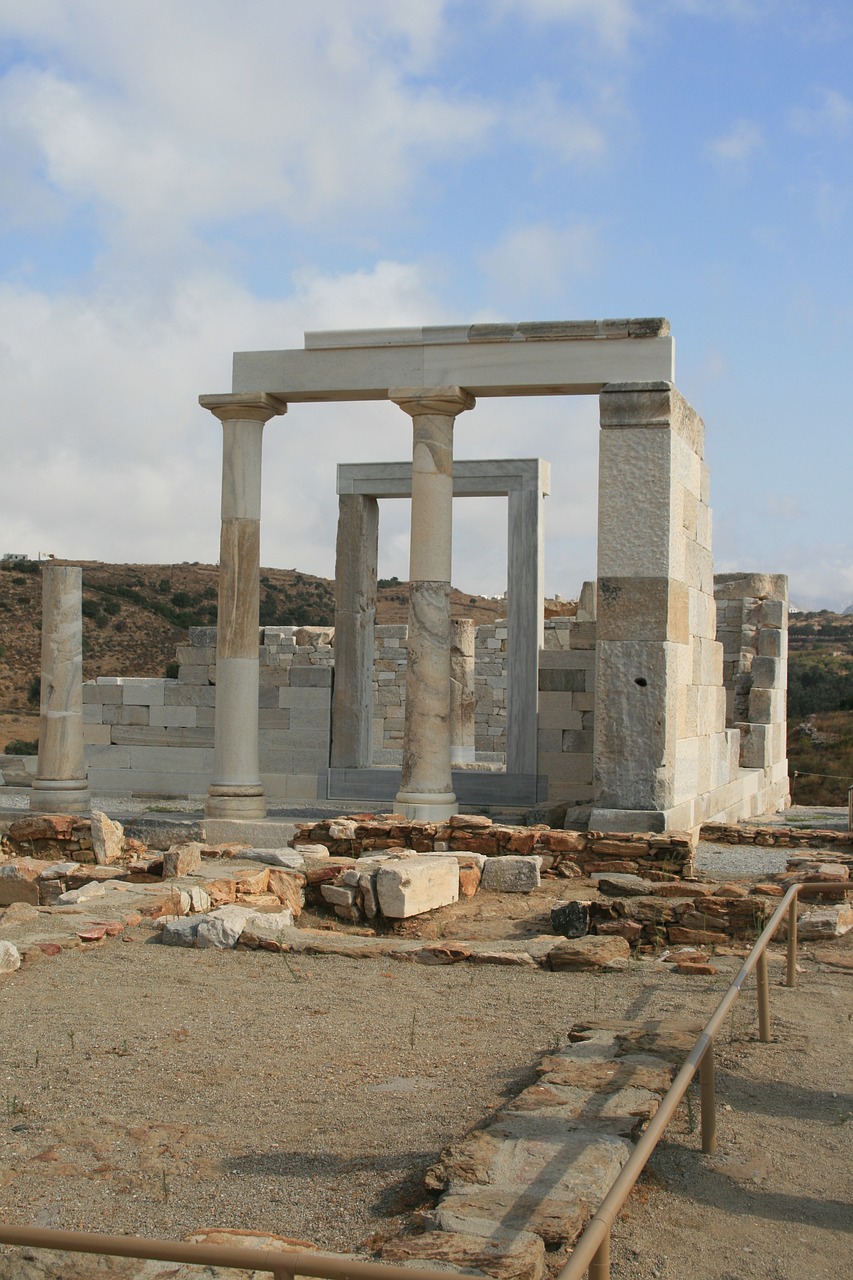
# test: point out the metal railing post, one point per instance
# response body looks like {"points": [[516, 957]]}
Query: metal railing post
{"points": [[791, 972], [599, 1267], [708, 1100], [763, 999]]}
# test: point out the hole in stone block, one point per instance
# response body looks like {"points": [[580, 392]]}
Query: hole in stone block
{"points": [[641, 681]]}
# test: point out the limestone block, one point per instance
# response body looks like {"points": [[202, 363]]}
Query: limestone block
{"points": [[19, 881], [10, 957], [635, 725], [512, 874], [133, 715], [642, 608], [92, 889], [181, 859], [173, 717], [634, 502], [97, 691], [769, 673], [563, 768], [558, 711], [755, 745], [180, 931], [772, 643], [92, 713], [95, 735], [576, 741], [591, 954], [193, 695], [107, 839], [767, 706], [408, 887], [772, 613], [142, 692]]}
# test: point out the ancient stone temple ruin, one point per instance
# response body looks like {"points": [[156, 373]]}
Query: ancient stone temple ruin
{"points": [[660, 704]]}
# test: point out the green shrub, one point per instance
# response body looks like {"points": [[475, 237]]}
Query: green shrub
{"points": [[20, 747]]}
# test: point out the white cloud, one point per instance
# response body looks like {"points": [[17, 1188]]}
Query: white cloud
{"points": [[737, 146], [540, 262], [831, 117], [176, 114]]}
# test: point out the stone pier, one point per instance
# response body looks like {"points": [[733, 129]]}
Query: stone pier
{"points": [[236, 790], [426, 788], [60, 784], [356, 557]]}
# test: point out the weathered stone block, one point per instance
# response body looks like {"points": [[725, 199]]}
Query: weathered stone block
{"points": [[512, 874], [410, 886]]}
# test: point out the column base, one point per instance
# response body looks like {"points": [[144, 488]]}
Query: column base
{"points": [[431, 806], [61, 795], [235, 802]]}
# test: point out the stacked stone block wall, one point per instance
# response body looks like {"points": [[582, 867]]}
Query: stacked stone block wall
{"points": [[752, 626], [567, 708], [155, 737], [490, 687]]}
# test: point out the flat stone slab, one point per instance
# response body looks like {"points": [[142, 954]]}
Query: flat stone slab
{"points": [[505, 1256]]}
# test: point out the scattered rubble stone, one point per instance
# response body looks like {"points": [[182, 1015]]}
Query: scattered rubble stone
{"points": [[107, 839], [10, 957], [512, 874], [571, 919], [590, 954], [181, 860]]}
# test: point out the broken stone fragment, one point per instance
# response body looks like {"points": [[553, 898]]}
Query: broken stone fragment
{"points": [[181, 859], [10, 957], [87, 891], [512, 874], [19, 880], [571, 919], [591, 954], [107, 839]]}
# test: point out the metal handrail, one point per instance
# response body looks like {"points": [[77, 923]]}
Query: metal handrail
{"points": [[593, 1247]]}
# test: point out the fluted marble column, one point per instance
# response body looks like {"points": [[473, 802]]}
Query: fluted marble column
{"points": [[60, 784], [236, 790], [426, 787]]}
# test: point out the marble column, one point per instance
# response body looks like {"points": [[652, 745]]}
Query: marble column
{"points": [[426, 787], [463, 633], [355, 613], [236, 790], [60, 784]]}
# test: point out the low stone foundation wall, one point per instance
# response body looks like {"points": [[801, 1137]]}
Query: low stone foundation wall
{"points": [[655, 854], [722, 833]]}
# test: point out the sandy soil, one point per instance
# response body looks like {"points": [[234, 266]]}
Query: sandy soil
{"points": [[159, 1090]]}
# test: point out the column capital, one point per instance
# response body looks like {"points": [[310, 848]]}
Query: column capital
{"points": [[445, 402], [254, 406]]}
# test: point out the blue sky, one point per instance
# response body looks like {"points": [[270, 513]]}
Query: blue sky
{"points": [[186, 178]]}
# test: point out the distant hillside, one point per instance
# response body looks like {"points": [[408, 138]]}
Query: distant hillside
{"points": [[135, 614]]}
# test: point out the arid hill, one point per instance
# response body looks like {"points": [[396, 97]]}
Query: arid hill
{"points": [[135, 614]]}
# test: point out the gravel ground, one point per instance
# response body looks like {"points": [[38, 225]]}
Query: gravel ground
{"points": [[157, 1091]]}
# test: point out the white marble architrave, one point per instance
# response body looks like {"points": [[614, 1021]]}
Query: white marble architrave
{"points": [[60, 784], [236, 790], [426, 788]]}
